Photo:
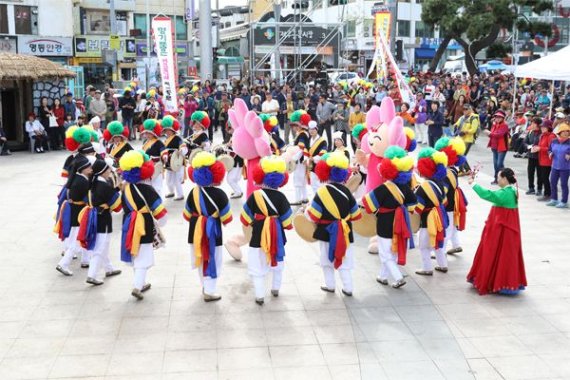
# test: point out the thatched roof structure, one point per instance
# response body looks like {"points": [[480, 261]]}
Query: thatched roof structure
{"points": [[22, 66]]}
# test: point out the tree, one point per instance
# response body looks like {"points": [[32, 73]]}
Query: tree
{"points": [[475, 24]]}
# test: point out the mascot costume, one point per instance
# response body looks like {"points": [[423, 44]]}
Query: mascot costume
{"points": [[251, 142], [384, 129]]}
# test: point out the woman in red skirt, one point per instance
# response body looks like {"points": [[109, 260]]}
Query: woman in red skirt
{"points": [[498, 266]]}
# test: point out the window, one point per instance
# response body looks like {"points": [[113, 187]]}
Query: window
{"points": [[403, 28], [181, 26], [3, 18], [23, 19], [368, 26], [350, 28], [99, 22], [423, 30]]}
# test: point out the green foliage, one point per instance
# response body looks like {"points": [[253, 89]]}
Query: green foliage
{"points": [[499, 50]]}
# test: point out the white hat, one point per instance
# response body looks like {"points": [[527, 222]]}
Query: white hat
{"points": [[560, 115], [312, 124], [337, 135], [96, 119]]}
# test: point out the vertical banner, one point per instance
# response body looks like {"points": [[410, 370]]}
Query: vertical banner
{"points": [[162, 32], [382, 23], [189, 10]]}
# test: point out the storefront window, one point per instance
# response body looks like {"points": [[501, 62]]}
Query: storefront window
{"points": [[351, 28], [99, 22], [3, 18], [23, 19]]}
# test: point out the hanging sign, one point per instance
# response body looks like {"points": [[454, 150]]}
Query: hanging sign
{"points": [[164, 48]]}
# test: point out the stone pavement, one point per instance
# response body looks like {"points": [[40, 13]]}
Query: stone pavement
{"points": [[433, 328]]}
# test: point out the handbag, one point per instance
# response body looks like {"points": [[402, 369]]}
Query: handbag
{"points": [[158, 239], [53, 121]]}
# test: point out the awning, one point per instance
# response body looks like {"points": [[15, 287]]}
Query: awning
{"points": [[424, 53], [230, 60]]}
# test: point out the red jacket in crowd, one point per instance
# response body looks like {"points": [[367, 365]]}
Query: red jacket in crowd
{"points": [[543, 145], [498, 139]]}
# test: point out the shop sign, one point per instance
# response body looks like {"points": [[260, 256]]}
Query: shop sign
{"points": [[46, 46], [93, 46], [181, 49], [310, 35], [8, 44]]}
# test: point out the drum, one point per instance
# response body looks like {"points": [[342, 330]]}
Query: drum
{"points": [[176, 161], [365, 226], [218, 150], [193, 153], [304, 227], [291, 165], [227, 160], [354, 182], [415, 220]]}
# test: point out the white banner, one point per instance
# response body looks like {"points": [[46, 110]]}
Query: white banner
{"points": [[164, 47]]}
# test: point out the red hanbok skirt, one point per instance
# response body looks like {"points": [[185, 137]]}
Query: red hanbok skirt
{"points": [[498, 266]]}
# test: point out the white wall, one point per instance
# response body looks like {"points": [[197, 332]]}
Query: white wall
{"points": [[55, 18]]}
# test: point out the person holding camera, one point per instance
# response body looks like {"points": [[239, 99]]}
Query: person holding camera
{"points": [[466, 128]]}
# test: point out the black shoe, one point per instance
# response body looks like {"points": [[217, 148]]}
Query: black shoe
{"points": [[93, 281], [348, 294], [259, 301], [530, 192], [112, 273], [84, 266], [145, 288], [325, 289], [538, 193]]}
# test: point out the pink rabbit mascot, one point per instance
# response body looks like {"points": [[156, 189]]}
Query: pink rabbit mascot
{"points": [[252, 142], [384, 129]]}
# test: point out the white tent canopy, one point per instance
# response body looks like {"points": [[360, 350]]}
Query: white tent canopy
{"points": [[552, 67]]}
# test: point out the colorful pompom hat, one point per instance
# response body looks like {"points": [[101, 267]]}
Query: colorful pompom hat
{"points": [[206, 170], [269, 122], [432, 164], [333, 167], [170, 122], [411, 142], [359, 131], [202, 118], [454, 149], [136, 166], [76, 136], [115, 129], [271, 172], [396, 166], [151, 94], [300, 117], [151, 126]]}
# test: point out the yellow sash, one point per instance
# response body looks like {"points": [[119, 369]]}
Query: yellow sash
{"points": [[266, 229], [316, 145], [148, 143], [117, 148], [168, 140], [434, 222], [138, 230], [330, 204], [199, 229], [399, 197]]}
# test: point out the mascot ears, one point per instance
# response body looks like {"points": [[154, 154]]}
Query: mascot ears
{"points": [[373, 120], [396, 133], [237, 113], [387, 110]]}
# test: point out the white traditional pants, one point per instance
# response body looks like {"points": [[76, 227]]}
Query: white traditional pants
{"points": [[72, 248], [315, 183], [421, 133], [234, 177], [300, 182], [141, 263], [208, 283], [345, 270], [388, 263], [156, 183], [174, 182], [426, 250], [100, 256], [451, 233], [258, 268]]}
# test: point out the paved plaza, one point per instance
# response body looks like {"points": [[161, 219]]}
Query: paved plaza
{"points": [[435, 327]]}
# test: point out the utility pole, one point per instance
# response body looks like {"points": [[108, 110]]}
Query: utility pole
{"points": [[276, 55], [113, 21], [205, 40], [148, 47]]}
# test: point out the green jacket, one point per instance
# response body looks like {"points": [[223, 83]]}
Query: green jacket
{"points": [[505, 197]]}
